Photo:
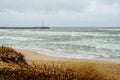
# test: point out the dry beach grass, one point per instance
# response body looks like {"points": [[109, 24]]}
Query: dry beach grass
{"points": [[35, 66]]}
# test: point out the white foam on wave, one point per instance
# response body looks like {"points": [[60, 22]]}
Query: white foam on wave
{"points": [[65, 55], [97, 43], [3, 30], [74, 34], [19, 38], [110, 29], [73, 55], [48, 33]]}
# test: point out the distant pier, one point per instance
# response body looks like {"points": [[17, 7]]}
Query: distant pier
{"points": [[24, 27]]}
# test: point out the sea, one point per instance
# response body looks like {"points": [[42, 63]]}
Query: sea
{"points": [[67, 42]]}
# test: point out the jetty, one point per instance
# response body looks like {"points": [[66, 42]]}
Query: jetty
{"points": [[24, 27]]}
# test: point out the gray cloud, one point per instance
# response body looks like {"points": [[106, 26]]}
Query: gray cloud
{"points": [[60, 12], [44, 5]]}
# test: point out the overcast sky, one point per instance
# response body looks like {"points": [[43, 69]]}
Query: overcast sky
{"points": [[60, 12]]}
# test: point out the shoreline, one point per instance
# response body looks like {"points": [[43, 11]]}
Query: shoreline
{"points": [[68, 58], [36, 56]]}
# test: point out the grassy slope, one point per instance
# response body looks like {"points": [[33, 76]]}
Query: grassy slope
{"points": [[65, 70]]}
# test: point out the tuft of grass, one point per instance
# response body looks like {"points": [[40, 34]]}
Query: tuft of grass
{"points": [[9, 55]]}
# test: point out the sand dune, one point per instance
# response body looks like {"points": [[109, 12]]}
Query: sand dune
{"points": [[107, 69]]}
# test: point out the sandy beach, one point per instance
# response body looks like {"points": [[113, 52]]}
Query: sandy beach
{"points": [[108, 69]]}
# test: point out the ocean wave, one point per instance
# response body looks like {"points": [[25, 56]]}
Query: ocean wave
{"points": [[64, 55], [96, 43], [74, 55], [20, 38], [73, 34], [109, 29], [79, 44], [3, 30]]}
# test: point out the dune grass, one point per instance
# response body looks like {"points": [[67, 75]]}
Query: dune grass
{"points": [[9, 55], [48, 72], [17, 69]]}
